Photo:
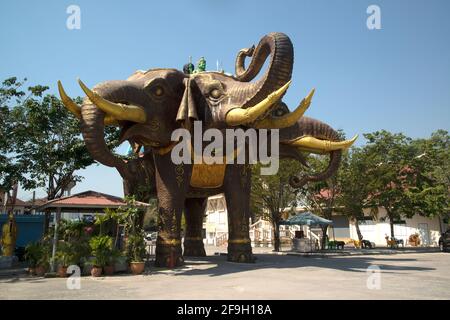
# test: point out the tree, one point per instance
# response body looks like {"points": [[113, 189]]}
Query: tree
{"points": [[320, 197], [390, 154], [409, 176], [429, 182], [44, 143], [353, 194], [10, 171], [272, 194]]}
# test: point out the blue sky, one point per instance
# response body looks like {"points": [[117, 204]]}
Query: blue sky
{"points": [[396, 78]]}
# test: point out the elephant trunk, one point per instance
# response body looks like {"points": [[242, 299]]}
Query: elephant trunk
{"points": [[92, 129], [279, 47], [92, 124], [333, 166], [317, 129]]}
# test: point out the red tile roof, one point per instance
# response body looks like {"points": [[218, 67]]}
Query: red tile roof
{"points": [[88, 199]]}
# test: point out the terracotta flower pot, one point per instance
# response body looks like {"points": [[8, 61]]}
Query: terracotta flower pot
{"points": [[96, 271], [137, 267], [62, 272], [108, 270], [40, 271]]}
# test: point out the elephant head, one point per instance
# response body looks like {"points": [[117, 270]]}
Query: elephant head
{"points": [[144, 106], [224, 101]]}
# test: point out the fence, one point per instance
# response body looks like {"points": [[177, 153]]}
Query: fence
{"points": [[30, 228]]}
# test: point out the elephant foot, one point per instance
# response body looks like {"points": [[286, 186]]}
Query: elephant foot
{"points": [[194, 248], [240, 252], [168, 256]]}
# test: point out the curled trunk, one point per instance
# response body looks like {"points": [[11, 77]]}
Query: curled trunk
{"points": [[312, 127], [279, 47]]}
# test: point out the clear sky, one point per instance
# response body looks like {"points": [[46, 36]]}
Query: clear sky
{"points": [[396, 78]]}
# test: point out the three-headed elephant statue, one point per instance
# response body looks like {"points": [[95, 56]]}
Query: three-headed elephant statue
{"points": [[150, 106]]}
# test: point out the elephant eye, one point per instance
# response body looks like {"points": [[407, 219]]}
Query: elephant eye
{"points": [[215, 93], [158, 91]]}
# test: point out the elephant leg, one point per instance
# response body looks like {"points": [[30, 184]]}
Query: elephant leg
{"points": [[237, 194], [171, 184], [193, 240]]}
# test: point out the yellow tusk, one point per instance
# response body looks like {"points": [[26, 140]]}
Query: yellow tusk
{"points": [[314, 145], [117, 110], [76, 109], [238, 116], [69, 103], [288, 119]]}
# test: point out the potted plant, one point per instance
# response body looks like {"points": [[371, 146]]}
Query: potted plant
{"points": [[42, 266], [135, 237], [101, 247], [136, 252], [111, 261], [38, 257], [33, 254], [64, 257]]}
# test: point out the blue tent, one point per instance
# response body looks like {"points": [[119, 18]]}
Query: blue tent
{"points": [[306, 219]]}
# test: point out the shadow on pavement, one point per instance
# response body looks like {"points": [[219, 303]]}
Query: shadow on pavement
{"points": [[220, 266]]}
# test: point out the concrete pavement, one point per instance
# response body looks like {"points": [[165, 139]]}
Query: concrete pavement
{"points": [[384, 276]]}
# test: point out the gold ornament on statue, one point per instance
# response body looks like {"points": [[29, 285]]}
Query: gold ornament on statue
{"points": [[9, 236]]}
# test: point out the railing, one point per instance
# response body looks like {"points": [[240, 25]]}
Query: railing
{"points": [[221, 240]]}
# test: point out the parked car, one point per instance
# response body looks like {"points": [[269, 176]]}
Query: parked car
{"points": [[444, 241]]}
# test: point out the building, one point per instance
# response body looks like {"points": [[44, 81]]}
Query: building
{"points": [[19, 206], [84, 205], [374, 229], [216, 221], [216, 225]]}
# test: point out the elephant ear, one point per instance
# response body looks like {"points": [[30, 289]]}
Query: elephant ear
{"points": [[187, 112]]}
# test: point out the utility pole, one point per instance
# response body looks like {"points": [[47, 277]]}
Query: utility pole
{"points": [[33, 209]]}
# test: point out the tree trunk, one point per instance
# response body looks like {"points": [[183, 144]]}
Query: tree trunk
{"points": [[324, 237], [392, 227], [391, 222], [276, 236], [358, 231]]}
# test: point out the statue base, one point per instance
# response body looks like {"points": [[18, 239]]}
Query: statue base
{"points": [[8, 262]]}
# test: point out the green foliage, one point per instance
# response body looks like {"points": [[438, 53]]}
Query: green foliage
{"points": [[38, 254], [151, 216], [34, 253], [102, 248], [131, 217], [65, 254], [271, 194], [136, 246], [353, 188], [409, 176], [40, 141], [74, 241]]}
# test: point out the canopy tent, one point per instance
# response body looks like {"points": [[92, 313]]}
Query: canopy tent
{"points": [[306, 219]]}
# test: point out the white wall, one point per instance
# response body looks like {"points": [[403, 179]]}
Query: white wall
{"points": [[429, 229]]}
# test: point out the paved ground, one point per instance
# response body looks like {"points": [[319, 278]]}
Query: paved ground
{"points": [[407, 275]]}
